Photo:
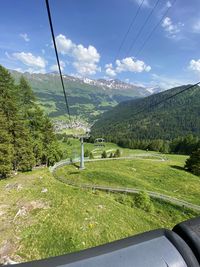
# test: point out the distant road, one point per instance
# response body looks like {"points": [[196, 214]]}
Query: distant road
{"points": [[178, 202]]}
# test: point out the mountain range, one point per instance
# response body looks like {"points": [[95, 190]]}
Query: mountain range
{"points": [[87, 98], [144, 119]]}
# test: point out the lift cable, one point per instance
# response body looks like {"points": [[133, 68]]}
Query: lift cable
{"points": [[58, 62], [154, 29], [166, 99], [129, 29], [142, 28]]}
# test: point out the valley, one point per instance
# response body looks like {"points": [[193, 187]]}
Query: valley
{"points": [[87, 98]]}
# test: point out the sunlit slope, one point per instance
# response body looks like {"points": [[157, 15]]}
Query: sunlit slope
{"points": [[165, 176], [138, 119], [42, 217]]}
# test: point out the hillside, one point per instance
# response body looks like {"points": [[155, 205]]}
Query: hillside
{"points": [[176, 117], [87, 98], [35, 203]]}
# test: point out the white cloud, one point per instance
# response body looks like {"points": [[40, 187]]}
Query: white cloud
{"points": [[196, 26], [64, 45], [132, 65], [128, 64], [25, 37], [85, 59], [55, 67], [171, 28], [195, 65], [110, 71], [30, 60]]}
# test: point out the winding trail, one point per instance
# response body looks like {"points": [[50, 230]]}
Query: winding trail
{"points": [[173, 200]]}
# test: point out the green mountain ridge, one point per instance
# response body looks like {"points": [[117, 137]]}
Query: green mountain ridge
{"points": [[138, 119], [87, 98]]}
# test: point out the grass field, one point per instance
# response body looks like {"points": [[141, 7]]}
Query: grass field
{"points": [[42, 217], [167, 177]]}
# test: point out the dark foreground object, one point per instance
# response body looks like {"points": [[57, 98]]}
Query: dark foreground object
{"points": [[159, 248]]}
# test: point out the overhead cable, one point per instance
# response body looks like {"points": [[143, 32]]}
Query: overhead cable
{"points": [[166, 99], [153, 30], [57, 58], [129, 29], [142, 28]]}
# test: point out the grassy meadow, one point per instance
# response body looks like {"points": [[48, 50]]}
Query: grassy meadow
{"points": [[167, 177], [41, 216]]}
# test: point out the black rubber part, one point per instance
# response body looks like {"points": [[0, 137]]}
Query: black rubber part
{"points": [[190, 232], [178, 243], [182, 247]]}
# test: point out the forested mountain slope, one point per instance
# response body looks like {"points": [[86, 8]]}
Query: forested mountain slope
{"points": [[138, 119]]}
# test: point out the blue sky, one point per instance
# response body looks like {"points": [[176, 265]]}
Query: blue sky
{"points": [[89, 34]]}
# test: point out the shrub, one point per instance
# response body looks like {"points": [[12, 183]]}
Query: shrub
{"points": [[91, 156], [143, 201], [104, 154], [87, 153], [117, 153]]}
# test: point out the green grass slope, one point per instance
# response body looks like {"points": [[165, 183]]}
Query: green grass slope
{"points": [[167, 177], [42, 217]]}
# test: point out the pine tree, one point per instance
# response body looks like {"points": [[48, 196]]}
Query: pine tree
{"points": [[27, 135], [193, 163], [104, 154], [17, 129], [27, 97], [53, 154], [6, 149], [24, 158], [8, 99]]}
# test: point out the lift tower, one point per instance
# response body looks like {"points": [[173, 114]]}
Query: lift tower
{"points": [[86, 136]]}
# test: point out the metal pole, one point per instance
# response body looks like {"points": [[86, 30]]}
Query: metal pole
{"points": [[82, 166]]}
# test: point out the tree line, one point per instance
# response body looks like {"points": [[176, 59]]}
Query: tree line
{"points": [[27, 137], [181, 145]]}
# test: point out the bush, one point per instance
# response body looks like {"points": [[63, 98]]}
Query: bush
{"points": [[104, 155], [91, 156], [124, 199], [143, 201], [87, 153], [117, 153]]}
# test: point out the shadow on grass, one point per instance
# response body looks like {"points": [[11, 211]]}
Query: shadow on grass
{"points": [[178, 167], [76, 165]]}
